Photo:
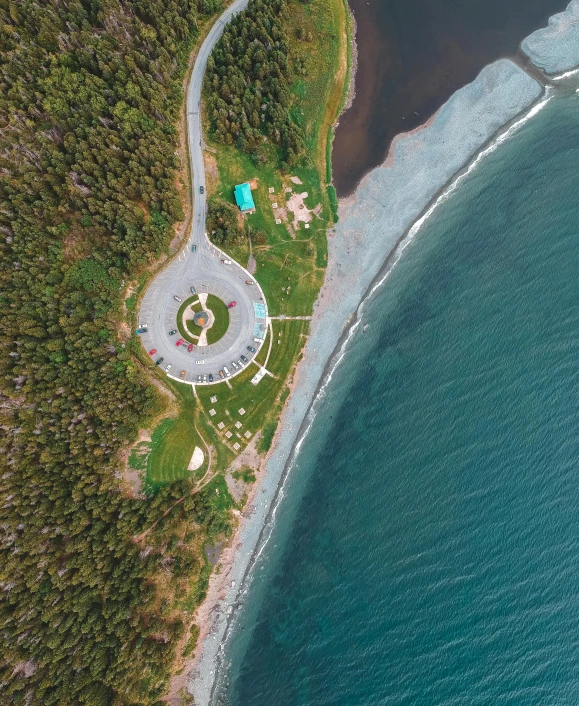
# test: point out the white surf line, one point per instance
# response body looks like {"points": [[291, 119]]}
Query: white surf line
{"points": [[452, 187], [567, 74]]}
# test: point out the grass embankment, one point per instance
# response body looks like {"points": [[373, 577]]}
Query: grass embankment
{"points": [[221, 319]]}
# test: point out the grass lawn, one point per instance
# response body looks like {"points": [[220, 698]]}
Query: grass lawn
{"points": [[173, 442], [221, 323], [262, 403], [190, 332]]}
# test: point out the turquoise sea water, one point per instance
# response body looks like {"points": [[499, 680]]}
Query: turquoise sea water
{"points": [[426, 551]]}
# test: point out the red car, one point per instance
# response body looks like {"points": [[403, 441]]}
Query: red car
{"points": [[232, 304], [152, 351], [190, 348], [180, 342]]}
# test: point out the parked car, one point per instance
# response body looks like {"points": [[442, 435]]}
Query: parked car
{"points": [[201, 189], [210, 377], [152, 351], [190, 347], [173, 332], [159, 361], [180, 342], [227, 373], [243, 358], [221, 374], [177, 298], [168, 368], [234, 364], [141, 330], [205, 378], [226, 262], [251, 349], [182, 374], [198, 378], [232, 304], [249, 281], [240, 363], [193, 290], [193, 248]]}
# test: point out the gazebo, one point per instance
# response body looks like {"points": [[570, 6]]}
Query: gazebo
{"points": [[201, 318]]}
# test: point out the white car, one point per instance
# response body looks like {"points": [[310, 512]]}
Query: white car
{"points": [[226, 262], [168, 368], [227, 373]]}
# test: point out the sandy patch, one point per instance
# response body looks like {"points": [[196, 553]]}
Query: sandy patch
{"points": [[196, 459], [296, 180], [296, 205]]}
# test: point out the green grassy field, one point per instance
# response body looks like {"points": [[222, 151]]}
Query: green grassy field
{"points": [[262, 403], [221, 323], [173, 442]]}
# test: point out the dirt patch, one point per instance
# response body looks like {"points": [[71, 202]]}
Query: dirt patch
{"points": [[296, 180], [124, 331], [211, 173], [253, 184], [296, 205]]}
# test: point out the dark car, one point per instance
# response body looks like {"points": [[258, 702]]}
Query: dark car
{"points": [[159, 361], [193, 248], [141, 330], [202, 189], [210, 377], [243, 358], [193, 290], [249, 348], [173, 332]]}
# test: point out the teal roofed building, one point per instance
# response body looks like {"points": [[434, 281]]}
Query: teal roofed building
{"points": [[243, 197]]}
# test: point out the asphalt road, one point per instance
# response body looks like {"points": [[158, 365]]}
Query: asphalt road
{"points": [[202, 269]]}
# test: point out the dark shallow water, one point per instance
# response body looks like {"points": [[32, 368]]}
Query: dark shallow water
{"points": [[427, 549], [412, 56]]}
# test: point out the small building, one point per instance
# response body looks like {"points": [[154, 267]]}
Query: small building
{"points": [[243, 197], [201, 318]]}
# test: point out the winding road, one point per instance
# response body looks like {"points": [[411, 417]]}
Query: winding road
{"points": [[202, 269]]}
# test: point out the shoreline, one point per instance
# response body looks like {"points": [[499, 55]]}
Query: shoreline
{"points": [[226, 589]]}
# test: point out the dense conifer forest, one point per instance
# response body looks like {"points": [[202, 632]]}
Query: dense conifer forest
{"points": [[247, 83], [89, 98]]}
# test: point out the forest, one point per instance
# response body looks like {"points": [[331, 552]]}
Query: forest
{"points": [[247, 83], [91, 578]]}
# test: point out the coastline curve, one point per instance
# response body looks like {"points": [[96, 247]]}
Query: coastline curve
{"points": [[374, 221]]}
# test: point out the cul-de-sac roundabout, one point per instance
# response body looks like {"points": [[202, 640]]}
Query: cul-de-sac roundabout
{"points": [[205, 318]]}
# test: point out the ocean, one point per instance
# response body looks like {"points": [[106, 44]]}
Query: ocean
{"points": [[426, 550]]}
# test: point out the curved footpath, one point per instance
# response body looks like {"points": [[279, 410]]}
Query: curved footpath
{"points": [[376, 223], [202, 269]]}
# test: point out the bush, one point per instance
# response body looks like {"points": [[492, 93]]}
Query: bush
{"points": [[223, 223]]}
